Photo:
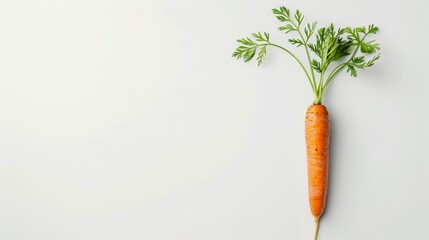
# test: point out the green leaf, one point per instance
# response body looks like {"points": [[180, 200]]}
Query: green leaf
{"points": [[361, 30], [353, 34], [309, 30], [330, 45], [292, 24], [296, 42], [358, 60], [248, 47], [352, 70], [369, 47], [267, 36], [372, 61], [372, 29], [282, 14], [239, 51], [299, 17], [282, 18], [314, 48], [316, 65], [284, 11], [246, 41], [259, 37], [246, 50], [249, 54], [261, 55], [287, 28]]}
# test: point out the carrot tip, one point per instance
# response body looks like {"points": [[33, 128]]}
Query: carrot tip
{"points": [[316, 222]]}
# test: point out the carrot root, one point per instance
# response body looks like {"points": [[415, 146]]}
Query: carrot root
{"points": [[317, 131], [316, 228]]}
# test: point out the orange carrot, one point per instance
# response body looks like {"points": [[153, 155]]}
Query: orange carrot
{"points": [[317, 142], [329, 51]]}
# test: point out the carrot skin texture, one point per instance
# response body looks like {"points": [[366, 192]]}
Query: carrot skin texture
{"points": [[317, 133]]}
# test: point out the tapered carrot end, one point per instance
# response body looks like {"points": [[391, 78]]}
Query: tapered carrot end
{"points": [[316, 228]]}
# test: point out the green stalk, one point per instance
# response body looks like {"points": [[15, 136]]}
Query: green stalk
{"points": [[319, 89], [316, 94], [299, 62]]}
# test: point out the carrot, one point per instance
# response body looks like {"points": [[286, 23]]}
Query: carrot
{"points": [[332, 51], [317, 143]]}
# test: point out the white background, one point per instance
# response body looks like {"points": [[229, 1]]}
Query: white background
{"points": [[130, 120]]}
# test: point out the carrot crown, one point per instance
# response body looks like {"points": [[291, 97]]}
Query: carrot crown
{"points": [[329, 50]]}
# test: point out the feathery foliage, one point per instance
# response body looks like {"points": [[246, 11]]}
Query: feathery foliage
{"points": [[329, 50]]}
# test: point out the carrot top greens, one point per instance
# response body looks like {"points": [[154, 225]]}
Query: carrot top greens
{"points": [[329, 47]]}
